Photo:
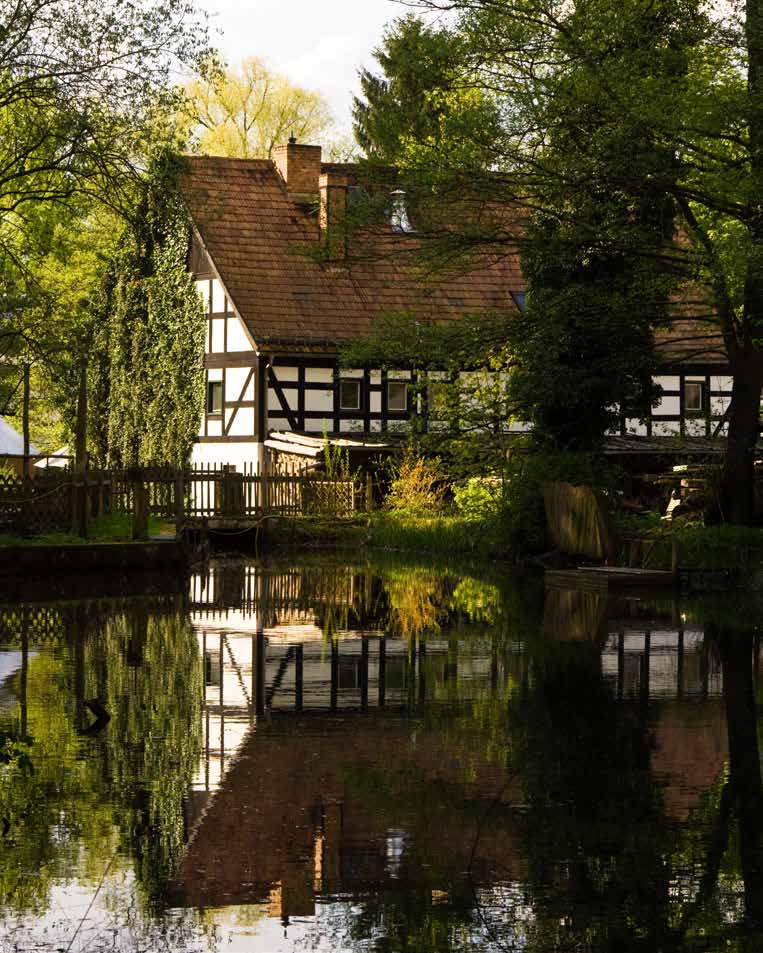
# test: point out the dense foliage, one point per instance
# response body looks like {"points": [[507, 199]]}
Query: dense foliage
{"points": [[603, 108], [422, 84], [146, 381]]}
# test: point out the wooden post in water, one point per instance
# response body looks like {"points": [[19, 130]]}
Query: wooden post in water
{"points": [[299, 678], [364, 672], [422, 673], [382, 671], [334, 673], [260, 673]]}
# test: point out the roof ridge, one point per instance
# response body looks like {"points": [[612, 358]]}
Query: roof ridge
{"points": [[195, 157]]}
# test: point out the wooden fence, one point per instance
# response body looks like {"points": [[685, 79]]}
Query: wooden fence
{"points": [[66, 500]]}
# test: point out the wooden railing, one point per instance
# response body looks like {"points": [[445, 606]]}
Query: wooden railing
{"points": [[68, 500]]}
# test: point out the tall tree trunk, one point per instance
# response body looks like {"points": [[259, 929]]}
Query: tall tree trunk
{"points": [[737, 495], [25, 419], [746, 358], [80, 437]]}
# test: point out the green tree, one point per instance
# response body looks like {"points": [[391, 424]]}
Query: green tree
{"points": [[245, 113], [82, 91], [423, 76], [663, 100]]}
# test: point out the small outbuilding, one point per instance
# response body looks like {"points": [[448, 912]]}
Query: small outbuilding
{"points": [[12, 448]]}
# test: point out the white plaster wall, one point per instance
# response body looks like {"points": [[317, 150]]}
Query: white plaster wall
{"points": [[319, 426], [235, 454], [319, 375], [319, 401], [375, 403], [215, 374], [721, 383], [218, 297], [214, 428], [668, 405], [667, 428], [278, 423], [695, 427], [218, 336], [634, 426], [286, 374], [235, 378], [238, 339], [291, 395], [667, 382], [203, 288], [719, 405], [243, 422], [351, 426]]}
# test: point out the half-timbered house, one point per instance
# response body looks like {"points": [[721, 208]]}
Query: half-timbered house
{"points": [[278, 314]]}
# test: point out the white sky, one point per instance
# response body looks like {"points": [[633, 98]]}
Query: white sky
{"points": [[318, 44]]}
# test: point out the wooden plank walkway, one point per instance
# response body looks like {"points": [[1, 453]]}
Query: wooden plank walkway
{"points": [[603, 578]]}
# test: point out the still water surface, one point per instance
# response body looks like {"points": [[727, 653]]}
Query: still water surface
{"points": [[391, 756]]}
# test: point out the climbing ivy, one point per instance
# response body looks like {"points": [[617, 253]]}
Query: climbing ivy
{"points": [[146, 381]]}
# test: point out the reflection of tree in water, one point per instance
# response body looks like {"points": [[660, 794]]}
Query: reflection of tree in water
{"points": [[122, 787], [152, 746], [606, 866]]}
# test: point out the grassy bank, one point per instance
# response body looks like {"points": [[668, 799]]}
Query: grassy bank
{"points": [[435, 534], [698, 546], [114, 528]]}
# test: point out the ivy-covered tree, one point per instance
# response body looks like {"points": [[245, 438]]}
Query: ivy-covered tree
{"points": [[146, 378]]}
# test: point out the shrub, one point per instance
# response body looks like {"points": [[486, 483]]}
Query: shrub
{"points": [[417, 487], [480, 499]]}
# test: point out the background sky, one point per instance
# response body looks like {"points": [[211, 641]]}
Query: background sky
{"points": [[318, 44]]}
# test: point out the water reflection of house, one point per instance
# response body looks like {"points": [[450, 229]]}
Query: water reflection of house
{"points": [[324, 803], [321, 773], [266, 647]]}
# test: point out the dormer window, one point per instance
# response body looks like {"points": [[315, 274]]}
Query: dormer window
{"points": [[519, 299], [399, 214]]}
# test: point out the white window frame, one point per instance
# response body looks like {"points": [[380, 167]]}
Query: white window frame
{"points": [[357, 384], [700, 385], [390, 386]]}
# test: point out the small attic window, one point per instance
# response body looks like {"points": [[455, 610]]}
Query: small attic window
{"points": [[398, 217], [519, 299], [356, 194]]}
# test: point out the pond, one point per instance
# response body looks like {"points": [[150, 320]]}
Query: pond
{"points": [[351, 755]]}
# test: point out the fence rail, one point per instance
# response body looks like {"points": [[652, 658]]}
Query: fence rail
{"points": [[67, 500]]}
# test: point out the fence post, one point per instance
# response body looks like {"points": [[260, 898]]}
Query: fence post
{"points": [[140, 512], [369, 492], [179, 502], [79, 504]]}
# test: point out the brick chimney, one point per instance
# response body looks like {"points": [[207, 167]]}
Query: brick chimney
{"points": [[300, 168], [333, 214]]}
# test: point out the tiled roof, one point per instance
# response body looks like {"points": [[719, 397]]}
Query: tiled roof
{"points": [[260, 242], [264, 245]]}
